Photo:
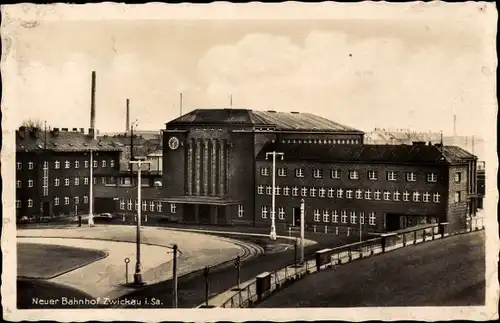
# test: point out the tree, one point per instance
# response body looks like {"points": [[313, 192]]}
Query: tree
{"points": [[33, 123]]}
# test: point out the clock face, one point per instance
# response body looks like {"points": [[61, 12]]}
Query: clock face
{"points": [[173, 143]]}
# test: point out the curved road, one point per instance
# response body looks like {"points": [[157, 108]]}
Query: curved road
{"points": [[445, 272]]}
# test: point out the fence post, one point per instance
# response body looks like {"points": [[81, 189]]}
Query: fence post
{"points": [[127, 260], [336, 231], [314, 226], [174, 274], [206, 272], [383, 243], [404, 239], [326, 229], [348, 231], [433, 233], [423, 235], [415, 236], [295, 245], [237, 264]]}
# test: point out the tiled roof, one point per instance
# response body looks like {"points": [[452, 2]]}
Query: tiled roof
{"points": [[419, 153], [284, 121], [63, 141]]}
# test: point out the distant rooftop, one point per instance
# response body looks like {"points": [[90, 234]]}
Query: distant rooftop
{"points": [[282, 121]]}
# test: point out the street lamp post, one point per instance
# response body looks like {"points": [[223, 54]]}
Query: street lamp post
{"points": [[302, 224], [272, 235], [138, 275], [91, 193]]}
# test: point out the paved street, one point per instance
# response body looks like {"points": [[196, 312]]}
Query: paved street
{"points": [[447, 272]]}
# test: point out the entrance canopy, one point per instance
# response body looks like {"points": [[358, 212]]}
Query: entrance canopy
{"points": [[208, 200]]}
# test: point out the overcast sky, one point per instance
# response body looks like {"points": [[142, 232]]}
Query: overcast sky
{"points": [[406, 71]]}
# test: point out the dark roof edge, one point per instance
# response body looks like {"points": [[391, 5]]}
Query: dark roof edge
{"points": [[437, 163]]}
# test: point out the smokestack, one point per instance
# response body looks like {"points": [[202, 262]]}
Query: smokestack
{"points": [[92, 107], [454, 125], [180, 104], [127, 124]]}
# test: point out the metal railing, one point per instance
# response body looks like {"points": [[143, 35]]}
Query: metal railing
{"points": [[267, 283]]}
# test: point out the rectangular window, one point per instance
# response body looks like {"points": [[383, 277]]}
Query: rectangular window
{"points": [[18, 204], [340, 193], [368, 194], [112, 163], [343, 216], [30, 183], [264, 171], [406, 196], [286, 190], [373, 175], [281, 213], [457, 197], [317, 173], [387, 195], [353, 217], [85, 181], [103, 181], [432, 177], [316, 215], [57, 164], [144, 205], [282, 172], [95, 163], [66, 200], [269, 190], [30, 203], [136, 206], [18, 184], [458, 177], [103, 163], [335, 173], [426, 197], [371, 218], [77, 200], [376, 195], [416, 197], [241, 211], [66, 181], [151, 206], [77, 164], [56, 181], [85, 199], [129, 205], [77, 181], [66, 164], [56, 200], [396, 196], [361, 217], [263, 212], [436, 197], [331, 193], [312, 192], [86, 164], [348, 194], [277, 190], [411, 176], [260, 189], [19, 165], [30, 165], [392, 176], [326, 216], [299, 172], [353, 174], [303, 191], [173, 208], [159, 207], [359, 194], [122, 204], [321, 192], [335, 216], [295, 191]]}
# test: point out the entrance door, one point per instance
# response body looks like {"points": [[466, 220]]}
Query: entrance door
{"points": [[296, 217], [204, 213], [188, 213], [45, 209], [392, 222]]}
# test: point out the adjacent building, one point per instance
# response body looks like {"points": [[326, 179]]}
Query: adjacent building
{"points": [[53, 170]]}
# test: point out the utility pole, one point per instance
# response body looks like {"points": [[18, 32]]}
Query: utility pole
{"points": [[272, 235], [138, 275], [174, 290], [91, 193], [302, 216]]}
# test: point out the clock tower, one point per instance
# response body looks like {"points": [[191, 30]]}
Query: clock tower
{"points": [[174, 161]]}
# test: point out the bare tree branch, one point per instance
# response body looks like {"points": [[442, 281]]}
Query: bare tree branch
{"points": [[33, 123]]}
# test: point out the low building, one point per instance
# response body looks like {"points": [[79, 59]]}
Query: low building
{"points": [[53, 170], [374, 187]]}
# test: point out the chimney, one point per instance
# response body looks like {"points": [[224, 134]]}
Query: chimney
{"points": [[92, 107], [22, 131], [91, 133], [55, 131], [82, 130], [127, 123], [75, 129], [64, 129], [35, 132], [418, 143]]}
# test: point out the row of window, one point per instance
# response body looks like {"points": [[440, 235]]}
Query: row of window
{"points": [[57, 201], [354, 174], [325, 215], [349, 193], [67, 164], [321, 141], [67, 182], [153, 206]]}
